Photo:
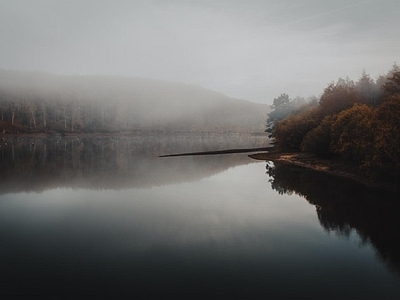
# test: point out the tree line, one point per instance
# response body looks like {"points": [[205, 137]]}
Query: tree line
{"points": [[355, 121], [39, 102]]}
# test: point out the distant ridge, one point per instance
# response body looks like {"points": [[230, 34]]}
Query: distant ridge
{"points": [[41, 102]]}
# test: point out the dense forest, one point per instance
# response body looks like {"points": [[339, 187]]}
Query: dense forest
{"points": [[358, 122], [34, 102]]}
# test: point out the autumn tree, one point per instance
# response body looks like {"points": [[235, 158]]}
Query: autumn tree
{"points": [[318, 139], [352, 134], [289, 132], [338, 97], [368, 90], [392, 84], [387, 135], [283, 106]]}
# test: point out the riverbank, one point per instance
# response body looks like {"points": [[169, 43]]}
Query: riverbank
{"points": [[335, 167]]}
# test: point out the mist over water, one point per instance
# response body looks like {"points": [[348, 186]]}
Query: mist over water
{"points": [[112, 162]]}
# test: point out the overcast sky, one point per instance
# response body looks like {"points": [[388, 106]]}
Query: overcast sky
{"points": [[250, 49]]}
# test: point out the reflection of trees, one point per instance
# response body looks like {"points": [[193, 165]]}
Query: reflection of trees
{"points": [[112, 162], [343, 206]]}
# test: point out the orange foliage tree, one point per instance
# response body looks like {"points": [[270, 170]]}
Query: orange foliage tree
{"points": [[387, 135], [353, 122], [352, 134]]}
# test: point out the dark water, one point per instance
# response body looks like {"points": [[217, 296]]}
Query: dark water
{"points": [[105, 217]]}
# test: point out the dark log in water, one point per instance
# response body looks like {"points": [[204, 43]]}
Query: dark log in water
{"points": [[228, 151]]}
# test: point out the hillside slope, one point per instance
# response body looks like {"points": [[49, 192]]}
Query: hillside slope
{"points": [[41, 102]]}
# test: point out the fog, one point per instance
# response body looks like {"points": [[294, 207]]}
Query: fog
{"points": [[42, 102], [253, 50], [36, 164]]}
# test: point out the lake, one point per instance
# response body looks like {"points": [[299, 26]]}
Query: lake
{"points": [[107, 217]]}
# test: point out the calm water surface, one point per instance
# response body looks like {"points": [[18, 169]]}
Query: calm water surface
{"points": [[107, 217]]}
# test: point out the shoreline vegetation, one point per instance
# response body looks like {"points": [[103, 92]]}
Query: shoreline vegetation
{"points": [[353, 130]]}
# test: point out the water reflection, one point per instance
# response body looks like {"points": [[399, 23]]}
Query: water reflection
{"points": [[226, 234], [344, 207], [37, 164]]}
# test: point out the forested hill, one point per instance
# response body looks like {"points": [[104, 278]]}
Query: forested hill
{"points": [[42, 102]]}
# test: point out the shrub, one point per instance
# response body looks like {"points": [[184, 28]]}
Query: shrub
{"points": [[289, 132], [318, 139]]}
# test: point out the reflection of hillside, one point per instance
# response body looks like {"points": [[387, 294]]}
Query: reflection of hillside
{"points": [[343, 206], [112, 162]]}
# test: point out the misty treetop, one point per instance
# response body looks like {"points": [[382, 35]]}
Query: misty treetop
{"points": [[356, 121], [283, 106], [41, 102]]}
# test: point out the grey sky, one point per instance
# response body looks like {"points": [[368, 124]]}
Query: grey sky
{"points": [[251, 49]]}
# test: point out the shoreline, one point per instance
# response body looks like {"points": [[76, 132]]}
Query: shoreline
{"points": [[125, 133], [334, 167]]}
